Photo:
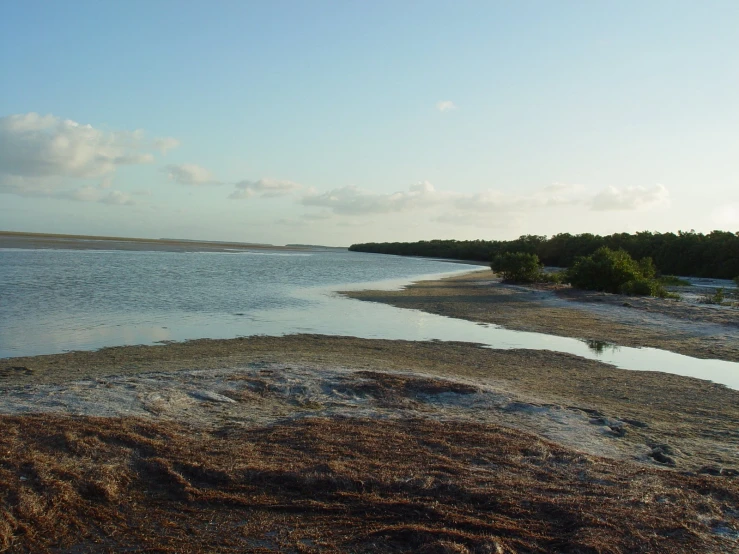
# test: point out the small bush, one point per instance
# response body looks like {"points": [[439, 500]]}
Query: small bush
{"points": [[715, 298], [639, 287], [517, 267]]}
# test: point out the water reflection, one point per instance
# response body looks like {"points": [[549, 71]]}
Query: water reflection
{"points": [[601, 347]]}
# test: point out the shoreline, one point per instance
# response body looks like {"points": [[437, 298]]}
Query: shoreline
{"points": [[689, 329], [238, 429], [536, 378], [337, 443]]}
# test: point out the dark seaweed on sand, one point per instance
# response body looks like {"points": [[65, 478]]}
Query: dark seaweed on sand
{"points": [[340, 485]]}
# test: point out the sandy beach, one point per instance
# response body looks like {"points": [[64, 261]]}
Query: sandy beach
{"points": [[309, 443]]}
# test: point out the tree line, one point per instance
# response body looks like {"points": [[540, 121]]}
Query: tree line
{"points": [[715, 254]]}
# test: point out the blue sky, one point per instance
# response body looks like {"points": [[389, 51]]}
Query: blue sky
{"points": [[339, 122]]}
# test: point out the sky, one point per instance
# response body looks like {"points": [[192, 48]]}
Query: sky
{"points": [[336, 122]]}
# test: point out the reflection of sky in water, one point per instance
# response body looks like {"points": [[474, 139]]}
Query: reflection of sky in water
{"points": [[67, 300]]}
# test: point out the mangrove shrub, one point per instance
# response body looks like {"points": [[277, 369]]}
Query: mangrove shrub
{"points": [[517, 267], [614, 271]]}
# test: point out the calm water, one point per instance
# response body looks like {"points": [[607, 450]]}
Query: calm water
{"points": [[57, 300]]}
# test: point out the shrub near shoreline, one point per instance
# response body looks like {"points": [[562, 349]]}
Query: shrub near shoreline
{"points": [[615, 271], [606, 270], [517, 267]]}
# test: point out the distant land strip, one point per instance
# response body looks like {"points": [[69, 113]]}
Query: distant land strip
{"points": [[15, 239]]}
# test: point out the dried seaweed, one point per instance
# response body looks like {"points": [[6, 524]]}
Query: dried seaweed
{"points": [[337, 485]]}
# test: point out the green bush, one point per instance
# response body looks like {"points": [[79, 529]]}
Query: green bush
{"points": [[605, 270], [640, 287], [716, 298], [646, 266], [617, 272], [517, 267], [736, 280], [555, 278]]}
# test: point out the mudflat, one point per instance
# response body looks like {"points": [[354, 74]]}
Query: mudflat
{"points": [[310, 443], [700, 331]]}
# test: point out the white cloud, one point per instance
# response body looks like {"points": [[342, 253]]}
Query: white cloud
{"points": [[264, 188], [445, 105], [46, 188], [351, 200], [630, 198], [488, 208], [89, 193], [492, 201], [45, 156], [117, 198], [36, 146], [190, 174], [165, 144]]}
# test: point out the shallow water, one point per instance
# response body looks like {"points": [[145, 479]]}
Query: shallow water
{"points": [[58, 300]]}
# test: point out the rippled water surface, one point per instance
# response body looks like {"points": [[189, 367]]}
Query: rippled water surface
{"points": [[57, 300]]}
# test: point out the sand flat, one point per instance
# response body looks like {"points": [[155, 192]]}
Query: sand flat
{"points": [[686, 328]]}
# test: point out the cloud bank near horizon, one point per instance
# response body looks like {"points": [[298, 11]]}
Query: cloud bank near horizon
{"points": [[46, 156], [457, 208]]}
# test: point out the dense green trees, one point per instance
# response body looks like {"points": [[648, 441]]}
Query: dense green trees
{"points": [[715, 254]]}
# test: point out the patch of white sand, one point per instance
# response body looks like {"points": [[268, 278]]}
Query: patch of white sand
{"points": [[261, 394]]}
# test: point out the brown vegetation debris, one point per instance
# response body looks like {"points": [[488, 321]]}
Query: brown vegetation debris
{"points": [[338, 485]]}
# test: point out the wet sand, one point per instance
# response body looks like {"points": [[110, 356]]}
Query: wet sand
{"points": [[700, 331], [311, 443]]}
